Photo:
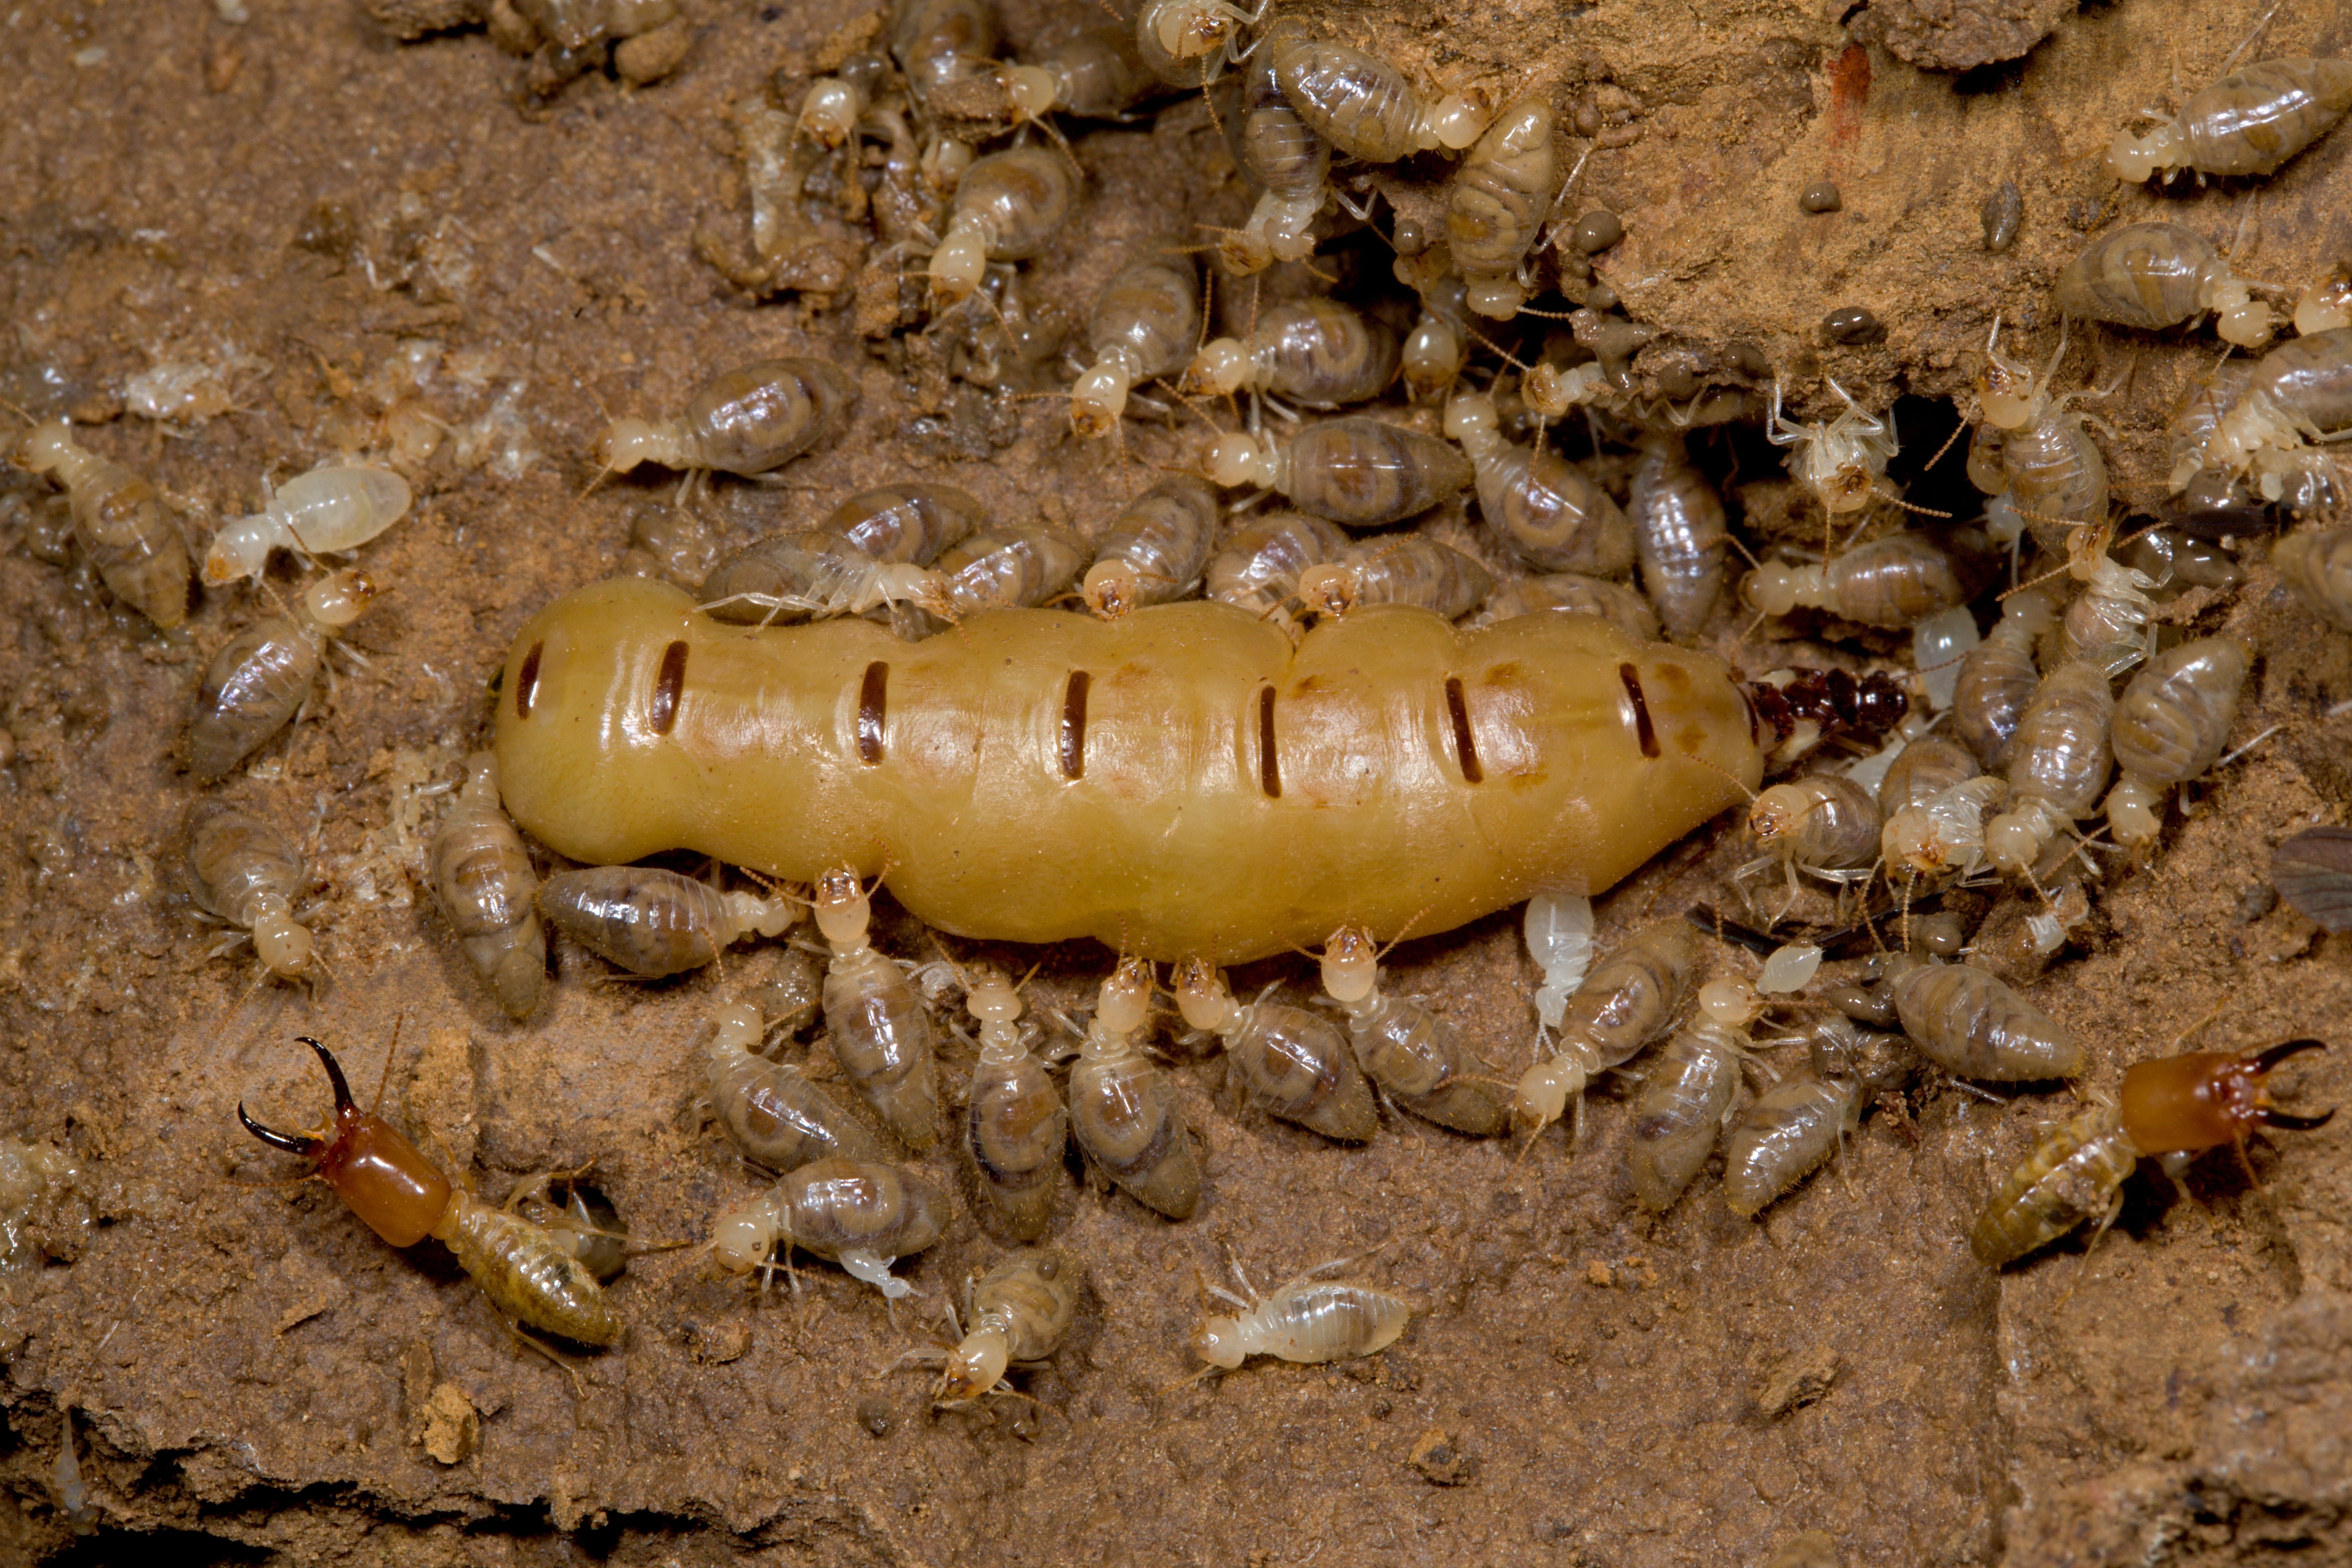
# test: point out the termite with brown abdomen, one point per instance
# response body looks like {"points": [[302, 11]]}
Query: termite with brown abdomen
{"points": [[1015, 1129], [1998, 678], [749, 420], [1184, 774], [1572, 593], [1438, 347], [1364, 106], [1498, 202], [1824, 822], [1628, 999], [2174, 1106], [120, 520], [1095, 73], [1019, 1313], [1304, 1321], [1123, 1108], [2060, 762], [1973, 1026], [481, 876], [1008, 206], [863, 1214], [1007, 566], [2170, 728], [264, 674], [1141, 325], [1285, 156], [1685, 1100], [655, 922], [245, 872], [2158, 275], [2317, 566], [1896, 581], [1923, 771], [1678, 529], [1407, 569], [2249, 122], [2301, 389], [1362, 472], [1315, 352], [771, 1111], [1418, 1057], [1539, 503], [1154, 549], [941, 42], [1259, 567], [1843, 462], [1794, 1128], [881, 1031], [2056, 478], [874, 549], [325, 510], [1295, 1065], [530, 1278]]}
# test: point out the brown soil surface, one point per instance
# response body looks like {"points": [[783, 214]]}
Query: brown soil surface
{"points": [[255, 1377]]}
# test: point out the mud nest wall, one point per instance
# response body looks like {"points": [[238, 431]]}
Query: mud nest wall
{"points": [[339, 226]]}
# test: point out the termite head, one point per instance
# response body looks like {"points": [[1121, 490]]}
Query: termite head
{"points": [[1472, 414], [842, 906], [1201, 997], [741, 1239], [46, 447], [1776, 587], [1111, 589], [628, 442], [341, 597], [1220, 1342], [2202, 1100], [1914, 839], [990, 995], [1188, 30], [1235, 460], [830, 112], [1845, 488], [1031, 89], [973, 1368], [944, 159], [1350, 964], [1330, 588], [1219, 368], [364, 1158], [2327, 305], [1099, 397], [1544, 1092], [959, 264], [2005, 389], [1730, 1001], [1777, 815], [1126, 998], [2132, 159]]}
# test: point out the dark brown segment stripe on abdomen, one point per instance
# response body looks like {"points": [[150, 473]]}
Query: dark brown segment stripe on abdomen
{"points": [[1464, 746], [1643, 730], [1269, 769], [669, 685], [873, 701], [527, 679], [1074, 725]]}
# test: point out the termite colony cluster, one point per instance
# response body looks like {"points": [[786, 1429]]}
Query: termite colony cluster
{"points": [[1208, 727]]}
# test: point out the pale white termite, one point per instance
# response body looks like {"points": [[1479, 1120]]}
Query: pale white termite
{"points": [[1840, 462], [1557, 928], [1019, 1311], [1573, 593], [339, 508], [862, 1215], [1304, 1321]]}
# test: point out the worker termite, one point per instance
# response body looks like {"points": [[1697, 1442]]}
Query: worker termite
{"points": [[1364, 106], [1685, 1100], [1123, 1108], [530, 1278], [1923, 770], [1286, 155], [1538, 502], [1259, 567], [1897, 580], [1305, 1321], [1418, 1057], [1497, 201], [940, 42], [2170, 726], [2317, 564], [1315, 352], [655, 922], [2193, 423], [482, 878], [1973, 1026], [325, 510], [1944, 832], [1558, 929], [1293, 1063], [1188, 43], [245, 872], [1154, 549], [1998, 678], [1360, 471], [1628, 999], [1008, 206], [1006, 567], [1796, 1125], [1142, 324], [1408, 569], [120, 520], [863, 1214], [2059, 762], [2174, 1108], [749, 420], [2107, 621], [261, 676], [2249, 122], [2158, 275], [2301, 389], [1019, 1311], [2056, 478], [1572, 593], [1095, 72], [1433, 354], [1825, 824], [1678, 531], [881, 1031], [1843, 462], [1015, 1129], [874, 549], [770, 1110], [2326, 306]]}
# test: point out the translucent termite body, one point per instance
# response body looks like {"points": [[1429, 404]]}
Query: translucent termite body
{"points": [[1558, 929], [1358, 471], [1285, 157], [1305, 1321], [1015, 1129], [1123, 1108], [1358, 785], [1007, 566], [1019, 1312], [1364, 106], [1316, 351], [1973, 1026], [2249, 122], [2175, 1107], [1842, 463], [1095, 73], [1259, 567], [2193, 425], [325, 510], [1573, 593], [2059, 762], [1997, 680], [1406, 569], [258, 680], [1898, 580], [1627, 1000], [1824, 822], [881, 1031], [769, 1109], [1155, 549], [2326, 306], [861, 1213], [1293, 1063], [1790, 1131], [121, 522], [749, 420], [1679, 533], [2300, 390], [1438, 347], [2158, 275], [941, 42], [1944, 833], [1923, 771], [1686, 1099], [532, 1278], [2106, 623], [2057, 478], [2318, 566], [655, 922], [1008, 206], [1188, 43], [1142, 324], [2171, 727], [481, 878], [247, 872], [1537, 503], [872, 551], [1497, 204], [1418, 1057]]}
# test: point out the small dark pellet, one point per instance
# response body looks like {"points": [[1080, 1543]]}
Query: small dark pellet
{"points": [[1852, 324], [874, 1414], [1600, 297], [1821, 196], [1597, 230], [2003, 212]]}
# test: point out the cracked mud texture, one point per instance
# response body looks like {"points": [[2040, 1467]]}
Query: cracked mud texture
{"points": [[254, 1375]]}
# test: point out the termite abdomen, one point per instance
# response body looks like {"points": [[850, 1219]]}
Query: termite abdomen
{"points": [[655, 922], [482, 878]]}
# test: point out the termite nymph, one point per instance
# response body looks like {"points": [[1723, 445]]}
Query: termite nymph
{"points": [[244, 871], [1259, 568], [1798, 1124], [1360, 471], [1188, 43], [1628, 999], [2174, 1106], [481, 876], [1824, 822], [1997, 678], [770, 1110], [1897, 580], [1302, 1320], [655, 922], [1295, 1065], [325, 510], [1019, 1311], [1124, 1109], [135, 545], [262, 676], [1417, 1057], [2300, 389], [1290, 160], [2058, 764], [1842, 462], [2170, 727], [2158, 275], [2249, 122], [530, 1278], [2056, 477], [749, 420], [1685, 1103], [1679, 533], [862, 1215]]}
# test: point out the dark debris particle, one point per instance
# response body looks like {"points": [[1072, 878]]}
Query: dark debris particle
{"points": [[874, 1414], [1821, 196], [1440, 1459], [1852, 324], [1600, 297], [2001, 213], [1597, 230]]}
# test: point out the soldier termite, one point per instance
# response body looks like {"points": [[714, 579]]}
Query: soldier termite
{"points": [[2054, 473], [770, 1110], [863, 1214], [630, 725], [1539, 503], [481, 876], [530, 1278], [1418, 1057], [1020, 1312], [1897, 580], [325, 510], [1015, 1129], [244, 871], [1315, 352], [1293, 1063], [881, 1031], [2158, 275], [1286, 155], [1142, 324], [1843, 462], [1364, 106], [2317, 566], [1304, 1320], [2249, 122], [2058, 764], [2170, 726], [1360, 471], [749, 420], [1628, 999], [1973, 1026], [1008, 206], [1406, 569], [1188, 43], [121, 522], [260, 676], [2173, 1107], [1123, 1108], [655, 922], [1154, 549], [1678, 531], [1998, 678], [1259, 567], [1572, 593]]}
